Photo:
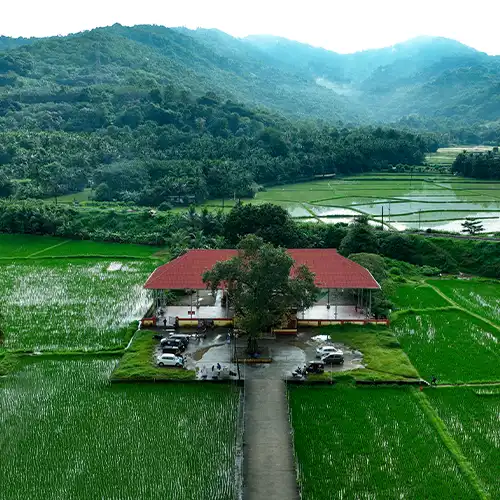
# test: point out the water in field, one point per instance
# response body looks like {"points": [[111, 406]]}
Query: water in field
{"points": [[454, 226], [67, 434], [408, 201], [80, 304]]}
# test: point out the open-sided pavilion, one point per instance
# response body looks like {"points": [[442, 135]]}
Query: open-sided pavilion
{"points": [[347, 288]]}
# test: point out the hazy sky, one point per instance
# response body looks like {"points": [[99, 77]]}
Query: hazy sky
{"points": [[342, 26]]}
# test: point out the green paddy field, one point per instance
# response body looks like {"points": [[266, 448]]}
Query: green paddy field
{"points": [[400, 201]]}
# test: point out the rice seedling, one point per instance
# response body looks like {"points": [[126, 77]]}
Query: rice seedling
{"points": [[27, 245], [472, 417], [451, 345], [370, 443], [67, 434], [100, 248], [481, 297], [23, 245], [417, 297], [398, 193], [63, 305]]}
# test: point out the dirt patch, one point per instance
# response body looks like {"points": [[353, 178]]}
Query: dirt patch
{"points": [[200, 352]]}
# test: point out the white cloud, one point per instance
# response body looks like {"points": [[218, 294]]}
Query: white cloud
{"points": [[343, 26]]}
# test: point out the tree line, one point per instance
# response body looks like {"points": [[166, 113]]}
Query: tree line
{"points": [[165, 145], [192, 229], [478, 165]]}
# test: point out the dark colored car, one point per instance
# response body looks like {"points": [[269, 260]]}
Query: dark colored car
{"points": [[333, 358], [173, 343], [182, 338]]}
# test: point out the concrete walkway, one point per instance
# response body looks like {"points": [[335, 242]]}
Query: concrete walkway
{"points": [[268, 458]]}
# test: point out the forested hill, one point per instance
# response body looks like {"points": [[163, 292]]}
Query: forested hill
{"points": [[142, 56], [154, 145], [426, 83]]}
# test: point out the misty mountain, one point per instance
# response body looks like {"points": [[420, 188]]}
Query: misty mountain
{"points": [[427, 76], [424, 80]]}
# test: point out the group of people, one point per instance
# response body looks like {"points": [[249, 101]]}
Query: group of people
{"points": [[217, 372]]}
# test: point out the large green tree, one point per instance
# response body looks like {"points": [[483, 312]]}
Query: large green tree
{"points": [[360, 238], [261, 287]]}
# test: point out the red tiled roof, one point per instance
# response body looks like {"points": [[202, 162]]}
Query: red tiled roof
{"points": [[331, 269]]}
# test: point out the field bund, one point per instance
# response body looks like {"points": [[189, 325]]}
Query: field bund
{"points": [[418, 201]]}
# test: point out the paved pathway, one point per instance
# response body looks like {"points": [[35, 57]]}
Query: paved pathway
{"points": [[268, 461]]}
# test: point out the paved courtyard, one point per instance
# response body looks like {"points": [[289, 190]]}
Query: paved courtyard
{"points": [[287, 352]]}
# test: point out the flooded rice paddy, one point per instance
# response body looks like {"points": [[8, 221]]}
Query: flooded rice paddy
{"points": [[419, 201]]}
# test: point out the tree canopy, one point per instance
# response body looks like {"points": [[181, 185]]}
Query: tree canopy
{"points": [[260, 286], [478, 165]]}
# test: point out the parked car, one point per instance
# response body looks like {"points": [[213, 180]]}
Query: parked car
{"points": [[169, 359], [170, 349], [333, 358], [173, 343], [181, 337], [326, 349]]}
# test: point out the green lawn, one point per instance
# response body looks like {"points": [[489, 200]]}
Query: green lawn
{"points": [[479, 296], [382, 355], [451, 345], [370, 443], [27, 245], [472, 417], [138, 362], [81, 196], [415, 296], [71, 304], [24, 245], [98, 248], [67, 434]]}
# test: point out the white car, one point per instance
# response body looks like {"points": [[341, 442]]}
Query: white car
{"points": [[327, 349], [168, 359]]}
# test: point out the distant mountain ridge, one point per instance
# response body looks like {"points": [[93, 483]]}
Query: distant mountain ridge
{"points": [[423, 80]]}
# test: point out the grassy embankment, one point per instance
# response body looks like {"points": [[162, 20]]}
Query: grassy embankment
{"points": [[138, 363], [382, 354]]}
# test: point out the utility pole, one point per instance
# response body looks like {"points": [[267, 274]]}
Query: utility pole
{"points": [[382, 217]]}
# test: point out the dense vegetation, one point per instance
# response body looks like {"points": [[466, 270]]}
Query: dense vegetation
{"points": [[61, 415], [478, 165], [427, 336], [424, 84], [156, 145], [218, 230]]}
